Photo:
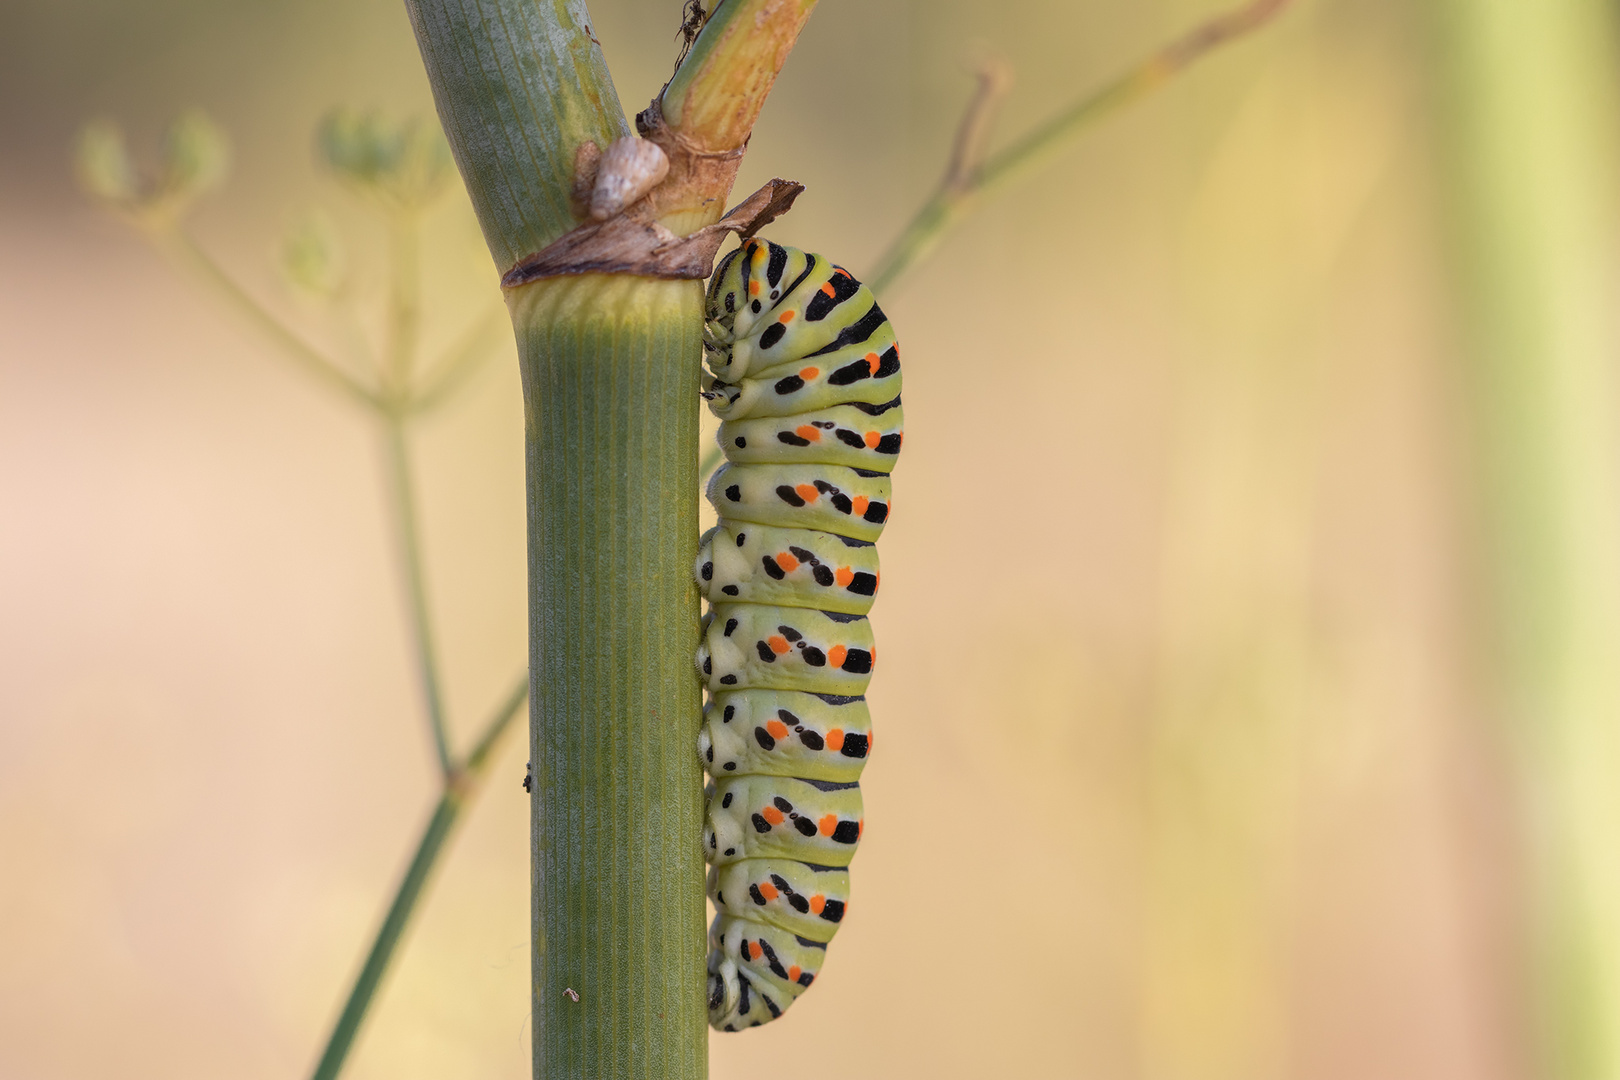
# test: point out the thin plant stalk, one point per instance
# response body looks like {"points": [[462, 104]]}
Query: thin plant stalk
{"points": [[392, 399], [1528, 111], [179, 245], [461, 786], [971, 176], [402, 488]]}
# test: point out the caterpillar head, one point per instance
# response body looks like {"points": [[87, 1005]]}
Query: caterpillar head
{"points": [[726, 295]]}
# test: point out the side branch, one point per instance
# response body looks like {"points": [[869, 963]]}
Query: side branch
{"points": [[180, 246], [969, 176]]}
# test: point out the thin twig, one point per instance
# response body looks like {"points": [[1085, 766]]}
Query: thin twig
{"points": [[460, 786], [463, 358], [498, 723], [186, 250], [973, 133], [404, 306], [963, 183], [403, 489]]}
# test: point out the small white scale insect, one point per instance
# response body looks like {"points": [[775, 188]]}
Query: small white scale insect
{"points": [[629, 169]]}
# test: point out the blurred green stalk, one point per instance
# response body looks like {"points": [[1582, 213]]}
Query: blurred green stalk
{"points": [[461, 784], [1529, 113]]}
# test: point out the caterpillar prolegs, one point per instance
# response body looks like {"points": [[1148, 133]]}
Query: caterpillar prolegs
{"points": [[806, 382]]}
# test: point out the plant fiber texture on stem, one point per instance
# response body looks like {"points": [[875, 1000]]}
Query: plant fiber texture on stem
{"points": [[609, 365]]}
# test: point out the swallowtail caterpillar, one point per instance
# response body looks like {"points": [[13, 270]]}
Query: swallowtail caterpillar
{"points": [[805, 377]]}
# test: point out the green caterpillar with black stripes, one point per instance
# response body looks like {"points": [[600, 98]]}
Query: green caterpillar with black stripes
{"points": [[805, 377]]}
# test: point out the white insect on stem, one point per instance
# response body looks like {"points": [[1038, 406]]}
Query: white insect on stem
{"points": [[571, 994], [629, 169]]}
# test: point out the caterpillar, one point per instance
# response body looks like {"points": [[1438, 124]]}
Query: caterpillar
{"points": [[804, 374]]}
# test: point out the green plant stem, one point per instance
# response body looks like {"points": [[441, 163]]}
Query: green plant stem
{"points": [[609, 370], [402, 489], [1528, 116], [460, 787], [969, 180], [180, 246], [519, 85]]}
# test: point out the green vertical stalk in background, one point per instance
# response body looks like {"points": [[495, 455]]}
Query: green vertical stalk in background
{"points": [[1529, 113]]}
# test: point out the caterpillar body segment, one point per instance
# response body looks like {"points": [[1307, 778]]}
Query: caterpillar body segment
{"points": [[826, 498], [756, 970], [758, 564], [805, 376], [866, 375], [779, 817], [841, 435], [823, 652], [806, 901], [786, 733]]}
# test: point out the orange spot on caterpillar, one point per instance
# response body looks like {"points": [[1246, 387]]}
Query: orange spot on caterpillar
{"points": [[844, 575], [808, 373], [767, 890], [872, 438], [808, 432], [827, 824], [778, 644], [817, 902], [873, 360], [860, 504], [772, 815], [860, 828], [787, 562], [777, 729], [808, 492], [835, 739], [835, 656], [785, 317], [754, 951], [827, 287], [794, 972], [753, 290]]}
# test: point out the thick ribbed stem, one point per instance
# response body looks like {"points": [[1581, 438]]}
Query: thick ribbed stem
{"points": [[1529, 114], [610, 370], [610, 376]]}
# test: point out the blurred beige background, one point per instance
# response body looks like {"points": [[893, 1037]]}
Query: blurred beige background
{"points": [[1185, 774]]}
